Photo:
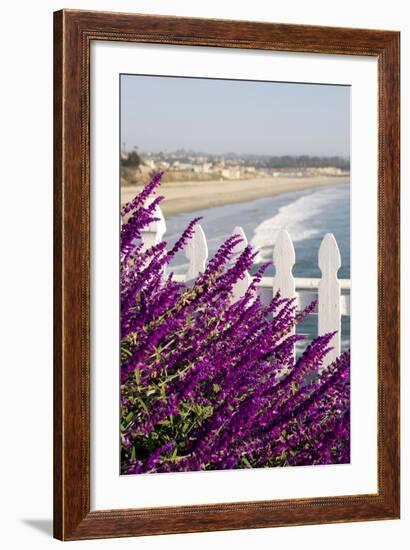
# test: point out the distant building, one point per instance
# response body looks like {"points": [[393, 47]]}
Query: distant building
{"points": [[231, 173], [326, 171], [288, 174], [150, 164], [203, 168]]}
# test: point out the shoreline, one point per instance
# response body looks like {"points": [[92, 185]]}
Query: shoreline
{"points": [[190, 196]]}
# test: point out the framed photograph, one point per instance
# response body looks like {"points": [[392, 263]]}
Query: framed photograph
{"points": [[226, 275]]}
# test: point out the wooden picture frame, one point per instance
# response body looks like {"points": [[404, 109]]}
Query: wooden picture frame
{"points": [[74, 32]]}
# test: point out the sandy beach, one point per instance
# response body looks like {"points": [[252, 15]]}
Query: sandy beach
{"points": [[190, 196]]}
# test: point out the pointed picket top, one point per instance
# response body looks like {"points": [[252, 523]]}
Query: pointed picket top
{"points": [[242, 285], [329, 256], [154, 232], [240, 247], [329, 294], [196, 251], [284, 260]]}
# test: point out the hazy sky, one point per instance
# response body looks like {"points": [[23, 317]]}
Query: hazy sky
{"points": [[219, 116]]}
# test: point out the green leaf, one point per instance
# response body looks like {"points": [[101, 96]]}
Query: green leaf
{"points": [[126, 352], [294, 387], [283, 456], [163, 393], [143, 405], [158, 353], [246, 462]]}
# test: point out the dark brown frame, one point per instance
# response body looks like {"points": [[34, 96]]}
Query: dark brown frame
{"points": [[73, 33]]}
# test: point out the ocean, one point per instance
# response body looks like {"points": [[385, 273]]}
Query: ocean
{"points": [[307, 215]]}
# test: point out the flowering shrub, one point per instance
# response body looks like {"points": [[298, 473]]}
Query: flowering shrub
{"points": [[210, 384]]}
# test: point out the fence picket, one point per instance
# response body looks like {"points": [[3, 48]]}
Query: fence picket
{"points": [[329, 293], [284, 260], [155, 230], [197, 253], [242, 285]]}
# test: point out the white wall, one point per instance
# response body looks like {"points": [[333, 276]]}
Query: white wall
{"points": [[26, 291]]}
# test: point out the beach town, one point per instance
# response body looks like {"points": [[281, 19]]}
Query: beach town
{"points": [[193, 181]]}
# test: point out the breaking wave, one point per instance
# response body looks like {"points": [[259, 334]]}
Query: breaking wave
{"points": [[302, 218]]}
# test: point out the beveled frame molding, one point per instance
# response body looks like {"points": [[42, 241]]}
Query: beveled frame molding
{"points": [[73, 33]]}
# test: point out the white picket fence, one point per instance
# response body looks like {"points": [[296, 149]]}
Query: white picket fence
{"points": [[332, 304]]}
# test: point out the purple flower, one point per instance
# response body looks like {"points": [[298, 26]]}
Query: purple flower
{"points": [[208, 383]]}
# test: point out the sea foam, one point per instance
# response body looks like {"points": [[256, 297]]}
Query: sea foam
{"points": [[301, 218]]}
